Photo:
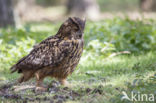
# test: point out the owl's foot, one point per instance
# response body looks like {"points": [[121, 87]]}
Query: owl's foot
{"points": [[64, 82], [40, 89]]}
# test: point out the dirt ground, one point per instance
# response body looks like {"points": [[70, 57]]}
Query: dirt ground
{"points": [[26, 93]]}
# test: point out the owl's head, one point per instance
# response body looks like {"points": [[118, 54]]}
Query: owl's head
{"points": [[72, 27]]}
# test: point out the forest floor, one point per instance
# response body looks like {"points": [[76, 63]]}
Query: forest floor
{"points": [[98, 81]]}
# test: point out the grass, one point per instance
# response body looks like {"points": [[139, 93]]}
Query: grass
{"points": [[118, 72], [115, 74], [99, 77]]}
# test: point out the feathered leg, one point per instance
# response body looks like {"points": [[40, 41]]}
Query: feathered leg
{"points": [[39, 84], [26, 76], [20, 80]]}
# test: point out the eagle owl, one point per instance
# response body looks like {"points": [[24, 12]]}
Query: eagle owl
{"points": [[57, 56]]}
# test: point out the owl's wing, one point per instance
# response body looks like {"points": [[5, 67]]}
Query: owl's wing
{"points": [[45, 54]]}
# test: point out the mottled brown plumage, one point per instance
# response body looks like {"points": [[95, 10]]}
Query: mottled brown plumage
{"points": [[57, 56]]}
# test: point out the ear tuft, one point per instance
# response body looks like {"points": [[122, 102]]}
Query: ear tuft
{"points": [[73, 19], [66, 23]]}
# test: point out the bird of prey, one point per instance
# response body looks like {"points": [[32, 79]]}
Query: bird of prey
{"points": [[57, 56]]}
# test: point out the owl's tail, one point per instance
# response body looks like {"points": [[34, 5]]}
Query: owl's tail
{"points": [[13, 68]]}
